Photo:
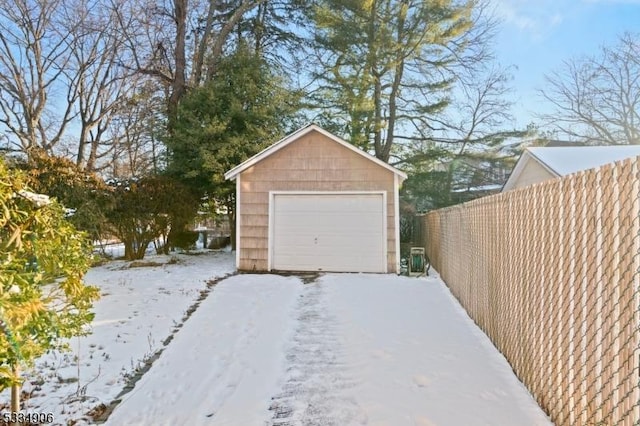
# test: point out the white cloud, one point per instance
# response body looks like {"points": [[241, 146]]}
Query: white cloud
{"points": [[556, 19], [537, 19]]}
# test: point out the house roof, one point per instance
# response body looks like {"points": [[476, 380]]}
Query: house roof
{"points": [[565, 160], [231, 174]]}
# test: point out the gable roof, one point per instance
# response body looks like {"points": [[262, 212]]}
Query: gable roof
{"points": [[234, 172], [565, 160]]}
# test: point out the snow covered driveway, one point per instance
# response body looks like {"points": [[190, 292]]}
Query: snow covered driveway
{"points": [[347, 349]]}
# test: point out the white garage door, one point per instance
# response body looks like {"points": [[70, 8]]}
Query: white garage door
{"points": [[328, 232]]}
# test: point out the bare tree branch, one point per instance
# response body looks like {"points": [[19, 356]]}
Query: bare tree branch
{"points": [[597, 99]]}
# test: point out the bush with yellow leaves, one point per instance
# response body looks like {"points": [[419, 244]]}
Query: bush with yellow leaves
{"points": [[43, 259]]}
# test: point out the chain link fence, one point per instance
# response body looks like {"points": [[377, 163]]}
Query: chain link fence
{"points": [[551, 273]]}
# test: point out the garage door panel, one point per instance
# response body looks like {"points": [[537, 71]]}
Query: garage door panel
{"points": [[329, 232], [361, 222]]}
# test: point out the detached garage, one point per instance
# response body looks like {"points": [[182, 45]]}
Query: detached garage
{"points": [[313, 202]]}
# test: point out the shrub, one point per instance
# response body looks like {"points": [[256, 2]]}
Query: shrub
{"points": [[43, 259], [85, 195], [147, 209], [184, 240]]}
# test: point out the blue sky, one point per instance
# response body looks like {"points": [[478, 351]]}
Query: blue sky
{"points": [[536, 36]]}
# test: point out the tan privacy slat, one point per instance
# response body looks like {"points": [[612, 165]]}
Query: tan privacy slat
{"points": [[552, 274]]}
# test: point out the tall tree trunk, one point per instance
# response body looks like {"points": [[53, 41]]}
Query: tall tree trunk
{"points": [[395, 89], [218, 45], [258, 29], [81, 148], [178, 85], [201, 51]]}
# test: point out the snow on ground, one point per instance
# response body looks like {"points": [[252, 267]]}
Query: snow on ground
{"points": [[139, 308], [420, 359], [222, 365], [348, 349]]}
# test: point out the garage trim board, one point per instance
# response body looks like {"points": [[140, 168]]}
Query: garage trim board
{"points": [[347, 232], [238, 227]]}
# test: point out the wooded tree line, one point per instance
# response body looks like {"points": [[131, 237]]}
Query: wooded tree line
{"points": [[189, 88]]}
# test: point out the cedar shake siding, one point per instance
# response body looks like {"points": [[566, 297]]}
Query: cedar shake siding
{"points": [[312, 162]]}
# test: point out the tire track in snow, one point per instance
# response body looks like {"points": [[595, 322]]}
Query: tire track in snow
{"points": [[314, 390]]}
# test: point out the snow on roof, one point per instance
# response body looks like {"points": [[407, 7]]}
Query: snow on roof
{"points": [[567, 160]]}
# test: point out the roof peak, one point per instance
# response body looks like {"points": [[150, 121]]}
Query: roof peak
{"points": [[235, 171]]}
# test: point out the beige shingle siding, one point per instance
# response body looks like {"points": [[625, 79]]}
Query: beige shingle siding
{"points": [[312, 163], [533, 172]]}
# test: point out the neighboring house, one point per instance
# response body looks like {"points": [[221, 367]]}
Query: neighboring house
{"points": [[313, 202], [538, 164]]}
